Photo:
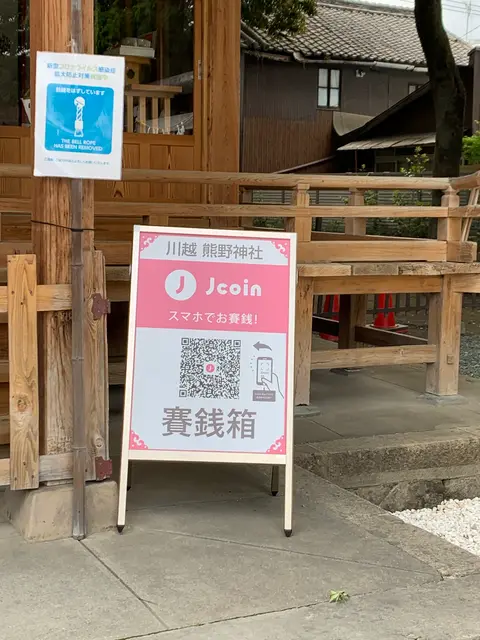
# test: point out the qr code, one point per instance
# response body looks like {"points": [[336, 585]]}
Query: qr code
{"points": [[210, 368]]}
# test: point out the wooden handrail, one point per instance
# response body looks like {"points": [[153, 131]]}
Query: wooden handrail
{"points": [[265, 180], [466, 182], [121, 209]]}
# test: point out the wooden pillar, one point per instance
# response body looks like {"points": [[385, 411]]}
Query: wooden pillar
{"points": [[302, 226], [50, 30], [303, 340], [353, 308], [221, 98], [444, 327]]}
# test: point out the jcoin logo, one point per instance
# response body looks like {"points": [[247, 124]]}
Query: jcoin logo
{"points": [[180, 284]]}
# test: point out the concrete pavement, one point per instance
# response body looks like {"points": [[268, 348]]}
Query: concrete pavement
{"points": [[204, 556]]}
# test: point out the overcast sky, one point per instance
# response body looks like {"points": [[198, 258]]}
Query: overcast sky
{"points": [[461, 17]]}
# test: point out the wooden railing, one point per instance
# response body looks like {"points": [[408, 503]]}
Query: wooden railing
{"points": [[351, 264], [21, 299]]}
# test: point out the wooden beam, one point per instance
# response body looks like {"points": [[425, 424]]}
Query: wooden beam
{"points": [[271, 180], [303, 340], [444, 324], [323, 269], [302, 226], [51, 468], [353, 308], [23, 372], [466, 182], [382, 338], [466, 283], [367, 251], [377, 284], [373, 357], [437, 268]]}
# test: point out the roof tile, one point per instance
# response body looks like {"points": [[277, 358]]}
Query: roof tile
{"points": [[343, 30]]}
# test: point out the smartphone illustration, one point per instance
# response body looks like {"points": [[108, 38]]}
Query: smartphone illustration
{"points": [[264, 370]]}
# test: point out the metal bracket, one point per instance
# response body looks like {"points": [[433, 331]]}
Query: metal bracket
{"points": [[100, 306], [103, 468]]}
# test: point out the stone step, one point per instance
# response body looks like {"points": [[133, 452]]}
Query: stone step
{"points": [[401, 471]]}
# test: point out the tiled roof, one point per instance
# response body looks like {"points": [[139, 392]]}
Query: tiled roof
{"points": [[343, 30]]}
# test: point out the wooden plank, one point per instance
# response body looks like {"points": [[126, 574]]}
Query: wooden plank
{"points": [[437, 268], [462, 251], [99, 433], [323, 269], [373, 357], [51, 468], [356, 227], [375, 269], [377, 284], [129, 209], [23, 372], [273, 180], [333, 236], [466, 283], [353, 308], [303, 340], [15, 205], [444, 324], [116, 371], [5, 430], [50, 297], [118, 291], [132, 209], [116, 253], [130, 118], [466, 182], [382, 338], [142, 114], [366, 251], [302, 226]]}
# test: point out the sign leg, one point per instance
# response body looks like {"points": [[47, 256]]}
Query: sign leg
{"points": [[288, 522], [122, 491], [275, 480]]}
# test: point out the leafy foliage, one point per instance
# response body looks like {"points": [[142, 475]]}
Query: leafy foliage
{"points": [[338, 596], [471, 148], [113, 21], [278, 17]]}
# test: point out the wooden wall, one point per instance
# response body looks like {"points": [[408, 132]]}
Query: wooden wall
{"points": [[215, 143], [282, 126]]}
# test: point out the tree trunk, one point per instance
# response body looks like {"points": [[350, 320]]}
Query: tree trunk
{"points": [[447, 89]]}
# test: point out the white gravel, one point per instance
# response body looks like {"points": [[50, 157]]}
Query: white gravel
{"points": [[458, 521]]}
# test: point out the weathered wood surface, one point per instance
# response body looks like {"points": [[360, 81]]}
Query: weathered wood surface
{"points": [[444, 324], [272, 180], [23, 372], [372, 357]]}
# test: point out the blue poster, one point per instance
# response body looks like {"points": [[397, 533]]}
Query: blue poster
{"points": [[79, 119]]}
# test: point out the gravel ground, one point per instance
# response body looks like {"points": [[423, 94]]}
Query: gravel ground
{"points": [[470, 355], [458, 521]]}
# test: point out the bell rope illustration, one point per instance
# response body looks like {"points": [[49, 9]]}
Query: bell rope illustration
{"points": [[80, 105]]}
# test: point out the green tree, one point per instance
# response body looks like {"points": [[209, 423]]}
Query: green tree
{"points": [[278, 17], [115, 19]]}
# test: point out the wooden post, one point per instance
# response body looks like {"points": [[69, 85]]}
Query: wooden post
{"points": [[23, 372], [444, 326], [302, 226], [221, 99], [353, 308], [50, 23], [303, 340]]}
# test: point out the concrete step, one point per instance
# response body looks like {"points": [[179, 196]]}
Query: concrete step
{"points": [[401, 471]]}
